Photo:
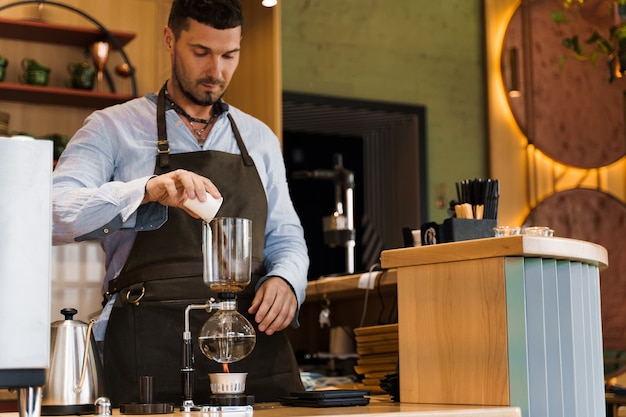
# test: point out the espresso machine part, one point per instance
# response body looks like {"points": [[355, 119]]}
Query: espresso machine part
{"points": [[29, 401], [74, 380], [227, 336], [338, 228]]}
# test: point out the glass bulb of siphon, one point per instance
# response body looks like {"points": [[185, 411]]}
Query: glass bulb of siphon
{"points": [[227, 336]]}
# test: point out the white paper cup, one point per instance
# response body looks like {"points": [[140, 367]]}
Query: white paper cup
{"points": [[205, 210], [417, 237]]}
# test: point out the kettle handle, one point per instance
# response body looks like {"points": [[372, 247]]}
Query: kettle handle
{"points": [[83, 372]]}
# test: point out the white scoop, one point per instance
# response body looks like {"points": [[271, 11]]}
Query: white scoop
{"points": [[205, 210]]}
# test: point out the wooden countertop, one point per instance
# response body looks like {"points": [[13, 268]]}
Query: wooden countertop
{"points": [[547, 247], [521, 245], [374, 409]]}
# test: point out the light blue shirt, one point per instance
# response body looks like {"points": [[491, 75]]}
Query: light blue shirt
{"points": [[99, 183]]}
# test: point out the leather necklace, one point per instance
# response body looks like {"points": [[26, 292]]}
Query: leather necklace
{"points": [[191, 119]]}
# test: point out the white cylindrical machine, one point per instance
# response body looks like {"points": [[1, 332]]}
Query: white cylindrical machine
{"points": [[25, 257]]}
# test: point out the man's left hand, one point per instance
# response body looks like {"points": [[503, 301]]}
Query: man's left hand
{"points": [[274, 304]]}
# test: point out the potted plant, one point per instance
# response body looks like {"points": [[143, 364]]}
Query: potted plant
{"points": [[612, 44]]}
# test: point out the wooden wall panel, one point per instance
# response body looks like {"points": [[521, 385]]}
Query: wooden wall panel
{"points": [[257, 85]]}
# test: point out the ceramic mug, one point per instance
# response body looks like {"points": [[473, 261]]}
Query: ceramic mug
{"points": [[3, 66], [82, 75], [33, 72]]}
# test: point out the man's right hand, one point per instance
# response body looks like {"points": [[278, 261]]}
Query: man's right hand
{"points": [[173, 188]]}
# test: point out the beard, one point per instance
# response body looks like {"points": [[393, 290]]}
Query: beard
{"points": [[192, 93]]}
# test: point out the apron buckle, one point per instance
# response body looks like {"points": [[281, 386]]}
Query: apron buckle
{"points": [[135, 293], [163, 146]]}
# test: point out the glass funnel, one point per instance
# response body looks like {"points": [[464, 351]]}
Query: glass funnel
{"points": [[227, 251]]}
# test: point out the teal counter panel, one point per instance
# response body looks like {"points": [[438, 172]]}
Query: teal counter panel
{"points": [[555, 337]]}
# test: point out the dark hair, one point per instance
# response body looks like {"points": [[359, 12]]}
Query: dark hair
{"points": [[219, 14]]}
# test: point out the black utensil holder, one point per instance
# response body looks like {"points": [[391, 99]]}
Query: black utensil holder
{"points": [[455, 230]]}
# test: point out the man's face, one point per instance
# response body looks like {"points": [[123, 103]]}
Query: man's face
{"points": [[204, 60]]}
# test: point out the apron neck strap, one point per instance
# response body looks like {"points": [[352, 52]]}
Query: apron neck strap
{"points": [[247, 159], [163, 146]]}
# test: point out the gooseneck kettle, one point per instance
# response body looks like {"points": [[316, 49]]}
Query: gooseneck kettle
{"points": [[74, 379]]}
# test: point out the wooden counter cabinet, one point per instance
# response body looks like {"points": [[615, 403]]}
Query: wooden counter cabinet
{"points": [[345, 302], [510, 321]]}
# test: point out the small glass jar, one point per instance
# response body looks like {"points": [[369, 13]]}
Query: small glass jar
{"points": [[541, 231], [506, 231]]}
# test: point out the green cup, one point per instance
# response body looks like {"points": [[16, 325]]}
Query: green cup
{"points": [[82, 75], [3, 67], [33, 72]]}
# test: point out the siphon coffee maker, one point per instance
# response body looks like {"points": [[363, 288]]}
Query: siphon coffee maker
{"points": [[227, 336]]}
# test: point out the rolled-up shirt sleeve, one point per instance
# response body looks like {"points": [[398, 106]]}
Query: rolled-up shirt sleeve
{"points": [[99, 182]]}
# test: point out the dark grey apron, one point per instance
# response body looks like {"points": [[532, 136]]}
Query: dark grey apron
{"points": [[164, 270]]}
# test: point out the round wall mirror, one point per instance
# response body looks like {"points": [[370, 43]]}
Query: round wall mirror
{"points": [[571, 113]]}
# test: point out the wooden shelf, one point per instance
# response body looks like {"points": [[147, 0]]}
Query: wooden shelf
{"points": [[347, 286], [37, 31], [59, 96]]}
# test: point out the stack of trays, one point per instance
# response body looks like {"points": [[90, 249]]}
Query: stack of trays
{"points": [[377, 347]]}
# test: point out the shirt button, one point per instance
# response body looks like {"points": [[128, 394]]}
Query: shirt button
{"points": [[106, 231], [178, 123]]}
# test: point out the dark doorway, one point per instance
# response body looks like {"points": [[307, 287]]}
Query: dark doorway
{"points": [[315, 198], [383, 145]]}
